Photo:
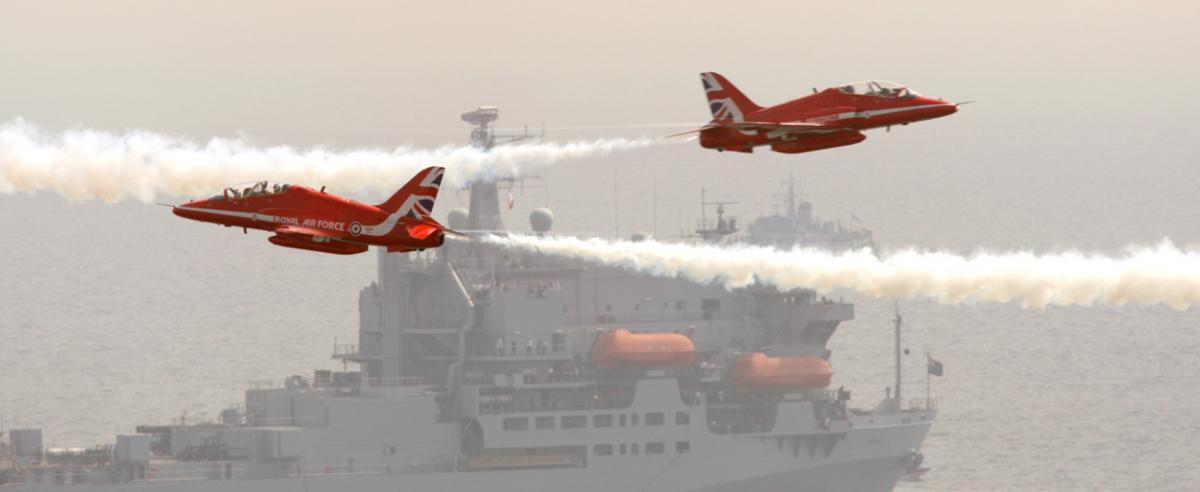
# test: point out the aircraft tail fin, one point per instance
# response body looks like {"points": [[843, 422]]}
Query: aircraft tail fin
{"points": [[726, 102], [416, 198]]}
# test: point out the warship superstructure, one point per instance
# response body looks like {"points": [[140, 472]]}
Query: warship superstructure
{"points": [[478, 368]]}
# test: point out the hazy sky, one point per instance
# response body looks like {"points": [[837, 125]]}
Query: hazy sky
{"points": [[381, 73]]}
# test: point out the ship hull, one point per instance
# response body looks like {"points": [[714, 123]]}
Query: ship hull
{"points": [[870, 459], [880, 474]]}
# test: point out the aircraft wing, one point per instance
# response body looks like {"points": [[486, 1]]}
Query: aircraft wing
{"points": [[772, 129], [302, 231], [793, 128]]}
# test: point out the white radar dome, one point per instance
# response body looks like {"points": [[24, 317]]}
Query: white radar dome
{"points": [[541, 220]]}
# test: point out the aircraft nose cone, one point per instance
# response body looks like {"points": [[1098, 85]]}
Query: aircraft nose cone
{"points": [[939, 107], [187, 210]]}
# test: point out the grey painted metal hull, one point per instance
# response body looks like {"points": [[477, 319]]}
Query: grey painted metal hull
{"points": [[870, 459]]}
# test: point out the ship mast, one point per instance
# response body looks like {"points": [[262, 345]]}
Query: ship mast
{"points": [[484, 211], [714, 232], [897, 321], [791, 211]]}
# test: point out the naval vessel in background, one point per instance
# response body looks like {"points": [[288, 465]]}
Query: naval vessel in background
{"points": [[483, 369]]}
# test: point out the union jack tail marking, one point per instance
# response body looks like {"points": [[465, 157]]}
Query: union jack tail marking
{"points": [[416, 198], [726, 102]]}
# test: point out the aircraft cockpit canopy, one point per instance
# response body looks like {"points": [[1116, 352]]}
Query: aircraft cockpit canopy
{"points": [[878, 88], [253, 188]]}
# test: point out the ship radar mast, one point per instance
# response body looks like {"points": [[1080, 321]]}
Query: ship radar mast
{"points": [[897, 322], [791, 211], [484, 211], [710, 231]]}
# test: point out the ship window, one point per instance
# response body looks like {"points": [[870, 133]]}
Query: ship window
{"points": [[574, 421], [389, 450], [655, 448], [681, 305], [637, 306], [633, 448], [655, 418], [622, 449], [603, 449], [683, 418], [516, 424], [622, 420], [633, 418], [608, 308], [683, 446], [602, 421], [543, 423]]}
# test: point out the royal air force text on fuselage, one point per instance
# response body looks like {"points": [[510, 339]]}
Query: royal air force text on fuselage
{"points": [[328, 225]]}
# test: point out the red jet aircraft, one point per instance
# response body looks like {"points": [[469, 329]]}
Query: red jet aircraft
{"points": [[314, 220], [830, 118]]}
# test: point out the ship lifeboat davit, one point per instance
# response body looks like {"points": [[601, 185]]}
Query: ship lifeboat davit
{"points": [[620, 348], [759, 371]]}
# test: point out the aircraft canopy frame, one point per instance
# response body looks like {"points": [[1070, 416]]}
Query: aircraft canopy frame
{"points": [[878, 88], [252, 188]]}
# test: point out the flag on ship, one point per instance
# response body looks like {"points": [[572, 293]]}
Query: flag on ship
{"points": [[935, 367]]}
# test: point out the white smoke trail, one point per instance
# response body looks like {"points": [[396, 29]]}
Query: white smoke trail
{"points": [[1150, 275], [90, 164]]}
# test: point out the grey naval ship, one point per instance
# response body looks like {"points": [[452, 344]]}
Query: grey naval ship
{"points": [[482, 369]]}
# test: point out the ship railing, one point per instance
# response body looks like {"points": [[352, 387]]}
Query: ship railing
{"points": [[917, 404], [502, 406], [264, 384], [373, 469], [679, 319], [185, 471], [344, 349], [394, 381], [155, 471], [569, 377], [182, 471], [295, 382], [559, 377], [820, 394], [224, 470], [297, 421], [299, 382]]}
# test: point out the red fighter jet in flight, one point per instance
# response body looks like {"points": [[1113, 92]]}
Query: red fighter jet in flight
{"points": [[830, 118], [311, 219]]}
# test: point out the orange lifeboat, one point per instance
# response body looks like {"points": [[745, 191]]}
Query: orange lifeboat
{"points": [[620, 348], [759, 371]]}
